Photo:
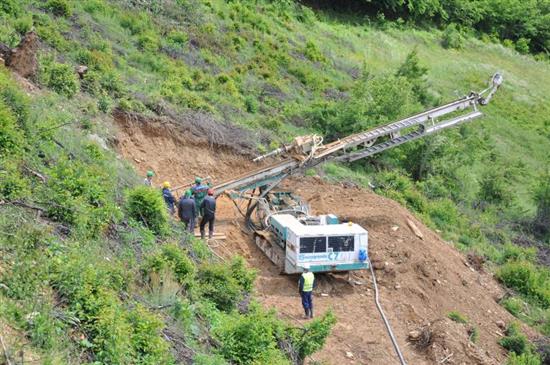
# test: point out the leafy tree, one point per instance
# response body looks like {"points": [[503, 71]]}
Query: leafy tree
{"points": [[416, 75]]}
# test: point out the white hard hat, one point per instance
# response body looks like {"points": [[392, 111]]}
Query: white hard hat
{"points": [[305, 266]]}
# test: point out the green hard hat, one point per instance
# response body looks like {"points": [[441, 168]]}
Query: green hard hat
{"points": [[188, 193], [150, 173], [198, 180]]}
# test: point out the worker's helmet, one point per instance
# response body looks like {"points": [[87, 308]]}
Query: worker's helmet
{"points": [[305, 266], [166, 184], [210, 191], [150, 173], [198, 180], [188, 193]]}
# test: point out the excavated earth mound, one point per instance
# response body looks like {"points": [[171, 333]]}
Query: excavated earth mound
{"points": [[421, 279]]}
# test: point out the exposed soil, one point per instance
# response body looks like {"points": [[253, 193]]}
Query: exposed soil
{"points": [[421, 280]]}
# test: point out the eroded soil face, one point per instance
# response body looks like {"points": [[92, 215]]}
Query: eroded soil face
{"points": [[420, 280]]}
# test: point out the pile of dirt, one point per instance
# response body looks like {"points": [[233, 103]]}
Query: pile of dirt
{"points": [[421, 277], [22, 59]]}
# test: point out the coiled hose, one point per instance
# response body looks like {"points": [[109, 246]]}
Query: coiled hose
{"points": [[386, 322]]}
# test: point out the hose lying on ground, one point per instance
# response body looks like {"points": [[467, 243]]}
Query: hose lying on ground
{"points": [[386, 322]]}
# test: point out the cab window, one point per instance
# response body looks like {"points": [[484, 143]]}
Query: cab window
{"points": [[341, 243], [313, 244]]}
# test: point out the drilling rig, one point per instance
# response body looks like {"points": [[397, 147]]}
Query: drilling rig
{"points": [[282, 226]]}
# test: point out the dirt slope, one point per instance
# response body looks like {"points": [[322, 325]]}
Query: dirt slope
{"points": [[421, 280]]}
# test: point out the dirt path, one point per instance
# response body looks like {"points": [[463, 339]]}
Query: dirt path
{"points": [[421, 280]]}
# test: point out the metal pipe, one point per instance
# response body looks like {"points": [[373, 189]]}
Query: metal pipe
{"points": [[386, 322]]}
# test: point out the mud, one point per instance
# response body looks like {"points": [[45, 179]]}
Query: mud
{"points": [[421, 280]]}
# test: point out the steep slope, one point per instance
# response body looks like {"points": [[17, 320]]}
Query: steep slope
{"points": [[421, 280]]}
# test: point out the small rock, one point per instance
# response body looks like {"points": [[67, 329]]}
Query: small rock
{"points": [[81, 70], [394, 228], [414, 335], [349, 354], [397, 286], [500, 324], [324, 294]]}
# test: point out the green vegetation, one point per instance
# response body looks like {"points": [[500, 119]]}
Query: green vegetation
{"points": [[457, 317], [521, 351], [280, 69], [93, 271]]}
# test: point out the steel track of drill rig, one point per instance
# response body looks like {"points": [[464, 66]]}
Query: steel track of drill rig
{"points": [[308, 151]]}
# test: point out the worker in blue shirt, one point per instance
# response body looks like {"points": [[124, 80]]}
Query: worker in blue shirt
{"points": [[208, 207], [187, 211], [168, 197], [305, 287]]}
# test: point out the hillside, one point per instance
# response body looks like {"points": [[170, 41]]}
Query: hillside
{"points": [[195, 88], [422, 280]]}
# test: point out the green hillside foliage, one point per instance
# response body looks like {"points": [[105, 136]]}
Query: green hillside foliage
{"points": [[93, 270], [279, 69]]}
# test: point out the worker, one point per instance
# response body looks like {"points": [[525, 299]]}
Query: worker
{"points": [[149, 179], [208, 207], [168, 197], [305, 287], [187, 210], [199, 192]]}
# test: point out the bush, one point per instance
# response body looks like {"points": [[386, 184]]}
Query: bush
{"points": [[10, 7], [147, 206], [524, 277], [457, 317], [514, 341], [513, 305], [245, 277], [218, 285], [312, 337], [313, 53], [171, 257], [11, 138], [246, 339], [59, 77], [59, 8], [495, 188], [523, 359], [452, 38]]}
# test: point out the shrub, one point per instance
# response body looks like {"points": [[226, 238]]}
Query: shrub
{"points": [[171, 257], [494, 188], [473, 334], [23, 25], [313, 53], [312, 337], [513, 305], [523, 359], [10, 7], [522, 45], [217, 284], [11, 139], [148, 42], [527, 279], [147, 206], [245, 277], [457, 317], [246, 339], [59, 8], [145, 338], [514, 341], [452, 38], [59, 77], [541, 197]]}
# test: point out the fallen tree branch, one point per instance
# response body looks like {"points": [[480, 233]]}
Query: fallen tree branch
{"points": [[37, 174], [5, 351]]}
